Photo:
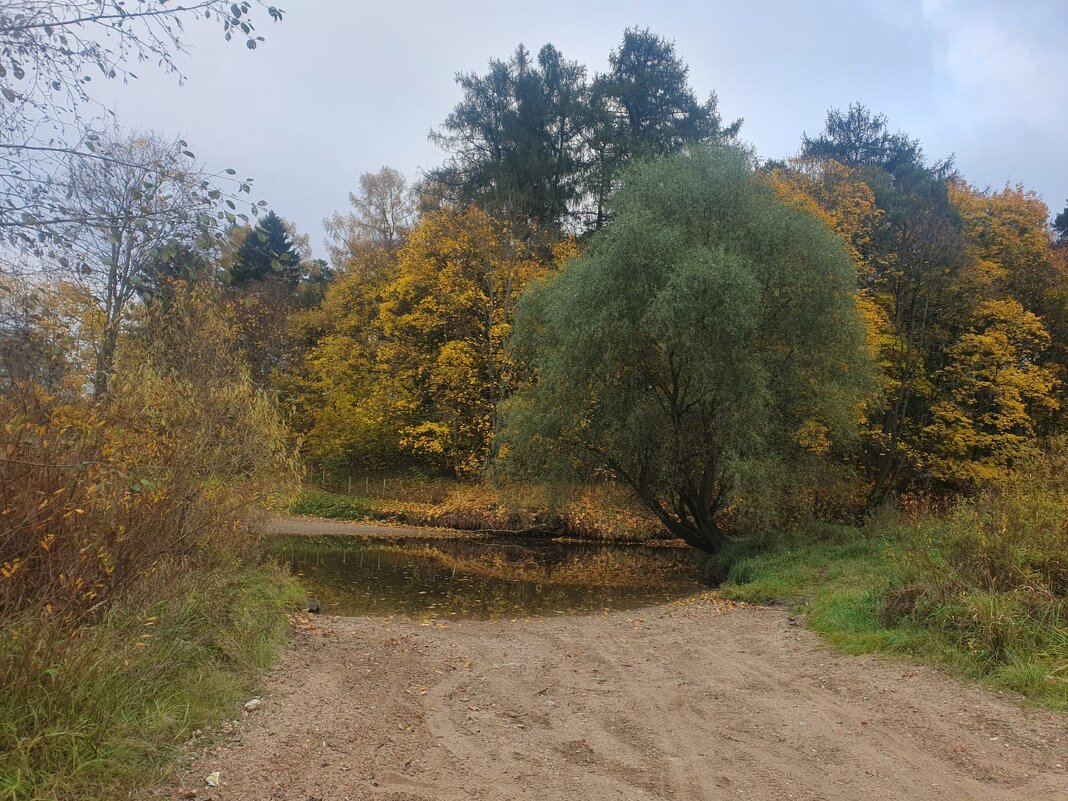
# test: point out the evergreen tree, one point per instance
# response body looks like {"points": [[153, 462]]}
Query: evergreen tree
{"points": [[859, 138], [266, 252], [1060, 228], [641, 108], [515, 138], [532, 142]]}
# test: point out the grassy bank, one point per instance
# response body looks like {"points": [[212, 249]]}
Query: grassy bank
{"points": [[598, 513], [335, 506], [909, 589], [95, 714]]}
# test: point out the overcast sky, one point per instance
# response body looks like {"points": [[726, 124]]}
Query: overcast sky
{"points": [[342, 87]]}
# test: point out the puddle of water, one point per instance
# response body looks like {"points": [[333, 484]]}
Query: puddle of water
{"points": [[468, 578]]}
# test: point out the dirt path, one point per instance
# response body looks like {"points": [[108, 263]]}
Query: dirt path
{"points": [[693, 701]]}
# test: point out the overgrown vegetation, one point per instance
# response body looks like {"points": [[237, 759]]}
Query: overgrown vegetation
{"points": [[101, 712], [719, 342], [131, 609], [426, 350], [336, 507], [601, 512], [983, 589], [653, 348], [599, 302]]}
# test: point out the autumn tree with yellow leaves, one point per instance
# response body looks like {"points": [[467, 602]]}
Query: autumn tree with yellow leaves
{"points": [[993, 396], [412, 368], [963, 297]]}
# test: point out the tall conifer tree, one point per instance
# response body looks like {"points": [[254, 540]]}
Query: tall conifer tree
{"points": [[266, 252]]}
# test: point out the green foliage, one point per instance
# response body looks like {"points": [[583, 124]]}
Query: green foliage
{"points": [[644, 107], [96, 715], [266, 252], [533, 142], [983, 590], [128, 615], [516, 138], [858, 138], [787, 568], [331, 505], [1060, 226], [709, 329], [994, 576]]}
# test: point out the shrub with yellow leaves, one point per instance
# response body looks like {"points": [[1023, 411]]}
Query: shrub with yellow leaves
{"points": [[166, 471]]}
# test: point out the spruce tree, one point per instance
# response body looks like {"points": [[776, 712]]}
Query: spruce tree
{"points": [[532, 141], [266, 252], [1060, 228], [515, 139], [644, 107]]}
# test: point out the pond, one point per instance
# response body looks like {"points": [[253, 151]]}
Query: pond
{"points": [[460, 577]]}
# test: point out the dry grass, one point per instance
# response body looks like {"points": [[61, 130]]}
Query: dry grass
{"points": [[615, 569], [128, 607], [601, 512]]}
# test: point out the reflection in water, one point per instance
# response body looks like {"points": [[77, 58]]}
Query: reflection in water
{"points": [[469, 578]]}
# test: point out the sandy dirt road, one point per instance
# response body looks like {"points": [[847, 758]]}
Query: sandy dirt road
{"points": [[696, 701]]}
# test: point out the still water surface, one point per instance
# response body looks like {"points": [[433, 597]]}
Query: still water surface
{"points": [[473, 578]]}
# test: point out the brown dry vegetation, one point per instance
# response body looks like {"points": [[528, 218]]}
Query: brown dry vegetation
{"points": [[602, 511], [125, 531], [616, 569]]}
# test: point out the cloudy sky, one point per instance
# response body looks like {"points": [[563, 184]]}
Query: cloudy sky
{"points": [[342, 87]]}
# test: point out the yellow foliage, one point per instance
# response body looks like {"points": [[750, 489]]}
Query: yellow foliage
{"points": [[445, 318], [93, 496], [968, 421], [814, 437], [599, 511], [414, 364], [994, 390], [835, 194], [1008, 232]]}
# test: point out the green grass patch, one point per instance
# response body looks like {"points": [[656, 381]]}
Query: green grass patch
{"points": [[331, 505], [835, 575], [849, 583], [109, 709]]}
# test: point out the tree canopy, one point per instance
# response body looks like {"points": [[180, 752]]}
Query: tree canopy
{"points": [[266, 252], [409, 360], [966, 301], [515, 138], [710, 328], [534, 142], [859, 138], [1060, 226]]}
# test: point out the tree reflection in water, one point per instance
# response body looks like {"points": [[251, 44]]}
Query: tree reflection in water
{"points": [[475, 578]]}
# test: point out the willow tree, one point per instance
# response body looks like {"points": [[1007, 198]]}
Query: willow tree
{"points": [[709, 329]]}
